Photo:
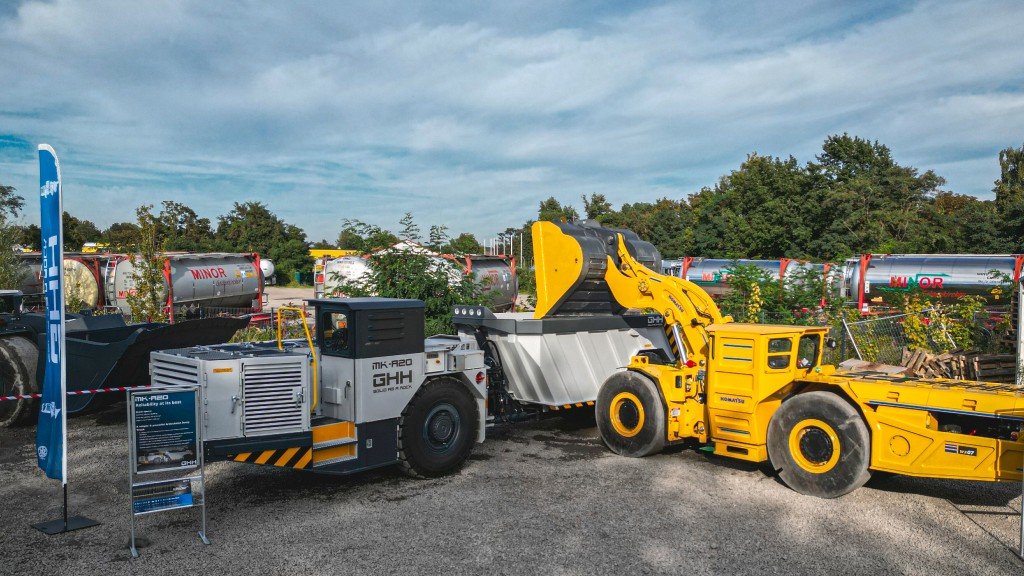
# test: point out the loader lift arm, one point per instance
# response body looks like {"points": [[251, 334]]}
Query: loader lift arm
{"points": [[586, 269]]}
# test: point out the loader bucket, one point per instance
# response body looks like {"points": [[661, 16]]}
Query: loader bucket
{"points": [[570, 263]]}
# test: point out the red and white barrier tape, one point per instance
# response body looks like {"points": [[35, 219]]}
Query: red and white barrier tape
{"points": [[73, 392]]}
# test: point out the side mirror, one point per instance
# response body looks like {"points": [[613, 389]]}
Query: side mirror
{"points": [[831, 343]]}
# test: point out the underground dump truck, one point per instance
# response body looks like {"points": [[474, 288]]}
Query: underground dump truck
{"points": [[652, 353]]}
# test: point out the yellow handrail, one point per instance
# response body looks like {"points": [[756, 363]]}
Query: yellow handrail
{"points": [[312, 348]]}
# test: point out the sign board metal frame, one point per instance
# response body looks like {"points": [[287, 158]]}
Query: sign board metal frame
{"points": [[165, 439]]}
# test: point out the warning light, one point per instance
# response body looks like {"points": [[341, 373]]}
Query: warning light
{"points": [[480, 377], [690, 363]]}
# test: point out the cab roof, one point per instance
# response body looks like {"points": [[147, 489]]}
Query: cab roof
{"points": [[765, 329]]}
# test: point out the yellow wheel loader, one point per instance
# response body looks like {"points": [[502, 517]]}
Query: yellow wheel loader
{"points": [[760, 392]]}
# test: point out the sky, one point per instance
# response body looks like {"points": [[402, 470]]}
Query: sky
{"points": [[469, 114]]}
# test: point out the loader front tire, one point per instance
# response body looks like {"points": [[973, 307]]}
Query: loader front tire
{"points": [[437, 429], [630, 415], [18, 357], [819, 445]]}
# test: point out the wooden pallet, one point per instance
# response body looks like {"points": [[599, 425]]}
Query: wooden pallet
{"points": [[961, 365]]}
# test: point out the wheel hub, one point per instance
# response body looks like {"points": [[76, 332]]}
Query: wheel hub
{"points": [[626, 413], [816, 446], [441, 427]]}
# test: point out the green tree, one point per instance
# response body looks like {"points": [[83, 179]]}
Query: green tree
{"points": [[11, 271], [28, 236], [146, 300], [464, 243], [551, 211], [180, 228], [437, 282], [78, 232], [410, 230], [121, 236], [596, 207], [1009, 191], [438, 237], [365, 238], [251, 227], [868, 201]]}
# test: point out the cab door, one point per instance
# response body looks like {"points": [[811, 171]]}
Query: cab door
{"points": [[337, 365]]}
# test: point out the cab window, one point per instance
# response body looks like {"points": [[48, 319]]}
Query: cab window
{"points": [[807, 352], [779, 352], [336, 334]]}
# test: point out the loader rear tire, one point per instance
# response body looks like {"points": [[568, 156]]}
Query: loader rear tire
{"points": [[18, 358], [437, 429], [630, 415], [820, 445]]}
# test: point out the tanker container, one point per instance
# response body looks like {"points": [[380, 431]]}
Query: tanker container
{"points": [[497, 281], [713, 274], [330, 273], [81, 280], [194, 281], [267, 268], [943, 276]]}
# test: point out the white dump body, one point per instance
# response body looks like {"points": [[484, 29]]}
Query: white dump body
{"points": [[563, 361]]}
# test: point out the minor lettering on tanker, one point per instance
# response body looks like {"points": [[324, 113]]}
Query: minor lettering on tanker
{"points": [[391, 375]]}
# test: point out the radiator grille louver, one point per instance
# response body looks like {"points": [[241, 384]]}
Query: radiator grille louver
{"points": [[170, 373], [270, 391]]}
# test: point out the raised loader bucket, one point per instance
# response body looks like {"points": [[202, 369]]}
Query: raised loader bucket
{"points": [[570, 263]]}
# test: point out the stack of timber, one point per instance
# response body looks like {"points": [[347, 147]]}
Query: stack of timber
{"points": [[961, 365]]}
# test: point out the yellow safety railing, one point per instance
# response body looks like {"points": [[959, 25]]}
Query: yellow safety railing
{"points": [[309, 338]]}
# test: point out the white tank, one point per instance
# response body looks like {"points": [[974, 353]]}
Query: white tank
{"points": [[192, 281], [268, 269], [338, 271]]}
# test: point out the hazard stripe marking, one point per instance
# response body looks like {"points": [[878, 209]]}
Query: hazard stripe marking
{"points": [[264, 457], [304, 461], [283, 460]]}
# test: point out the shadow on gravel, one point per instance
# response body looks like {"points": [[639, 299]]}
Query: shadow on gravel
{"points": [[957, 492]]}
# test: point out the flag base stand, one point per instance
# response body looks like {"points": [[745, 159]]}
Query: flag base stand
{"points": [[65, 524], [60, 525]]}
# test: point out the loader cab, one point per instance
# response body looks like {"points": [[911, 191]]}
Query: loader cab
{"points": [[753, 361], [371, 356]]}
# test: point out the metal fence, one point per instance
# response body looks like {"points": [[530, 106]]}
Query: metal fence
{"points": [[883, 339]]}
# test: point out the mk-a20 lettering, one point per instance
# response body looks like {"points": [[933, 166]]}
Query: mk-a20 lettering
{"points": [[394, 378]]}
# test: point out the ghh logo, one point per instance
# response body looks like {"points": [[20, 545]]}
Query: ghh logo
{"points": [[51, 409], [48, 189], [42, 451]]}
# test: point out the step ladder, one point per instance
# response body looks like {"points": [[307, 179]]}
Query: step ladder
{"points": [[334, 443]]}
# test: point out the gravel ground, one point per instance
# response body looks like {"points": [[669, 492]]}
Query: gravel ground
{"points": [[543, 498]]}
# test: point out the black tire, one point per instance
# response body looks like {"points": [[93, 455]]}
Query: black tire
{"points": [[437, 429], [820, 445], [630, 415], [18, 358]]}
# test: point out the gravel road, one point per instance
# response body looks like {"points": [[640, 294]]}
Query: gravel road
{"points": [[537, 498]]}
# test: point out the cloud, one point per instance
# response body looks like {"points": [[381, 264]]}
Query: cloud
{"points": [[470, 115]]}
